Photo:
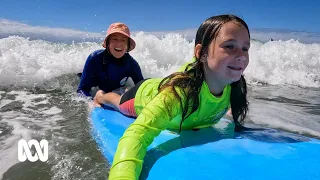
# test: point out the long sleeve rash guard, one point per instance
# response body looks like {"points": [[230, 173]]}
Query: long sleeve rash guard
{"points": [[107, 72], [157, 112]]}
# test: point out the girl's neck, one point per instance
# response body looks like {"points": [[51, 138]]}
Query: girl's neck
{"points": [[215, 89], [216, 85]]}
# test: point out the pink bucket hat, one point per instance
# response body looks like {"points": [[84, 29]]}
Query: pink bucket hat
{"points": [[119, 28]]}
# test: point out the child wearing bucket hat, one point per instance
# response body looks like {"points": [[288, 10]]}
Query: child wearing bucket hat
{"points": [[109, 68]]}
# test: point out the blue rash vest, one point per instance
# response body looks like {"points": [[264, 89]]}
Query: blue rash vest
{"points": [[108, 73]]}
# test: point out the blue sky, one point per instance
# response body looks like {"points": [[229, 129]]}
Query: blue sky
{"points": [[165, 15]]}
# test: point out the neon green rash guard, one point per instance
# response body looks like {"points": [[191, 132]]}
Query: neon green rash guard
{"points": [[155, 116]]}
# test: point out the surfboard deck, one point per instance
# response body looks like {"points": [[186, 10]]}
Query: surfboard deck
{"points": [[214, 153]]}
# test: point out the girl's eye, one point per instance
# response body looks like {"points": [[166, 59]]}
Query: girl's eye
{"points": [[245, 49], [229, 46]]}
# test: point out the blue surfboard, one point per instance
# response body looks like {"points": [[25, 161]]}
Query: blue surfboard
{"points": [[216, 152]]}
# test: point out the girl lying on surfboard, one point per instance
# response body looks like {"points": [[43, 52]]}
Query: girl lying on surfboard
{"points": [[196, 96]]}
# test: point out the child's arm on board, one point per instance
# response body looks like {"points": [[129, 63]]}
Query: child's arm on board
{"points": [[132, 147]]}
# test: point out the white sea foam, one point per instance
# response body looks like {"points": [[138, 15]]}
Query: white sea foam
{"points": [[30, 63]]}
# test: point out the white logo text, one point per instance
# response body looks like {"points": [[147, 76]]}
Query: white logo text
{"points": [[24, 150]]}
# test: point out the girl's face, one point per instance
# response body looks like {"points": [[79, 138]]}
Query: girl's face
{"points": [[228, 54], [118, 45]]}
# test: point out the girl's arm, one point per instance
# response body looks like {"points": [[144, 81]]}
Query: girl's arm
{"points": [[132, 147]]}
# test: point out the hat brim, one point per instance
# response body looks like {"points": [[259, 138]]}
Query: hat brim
{"points": [[132, 42]]}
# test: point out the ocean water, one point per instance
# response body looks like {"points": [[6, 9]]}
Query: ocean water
{"points": [[38, 100]]}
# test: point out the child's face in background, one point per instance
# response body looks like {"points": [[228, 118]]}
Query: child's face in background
{"points": [[228, 54], [118, 45]]}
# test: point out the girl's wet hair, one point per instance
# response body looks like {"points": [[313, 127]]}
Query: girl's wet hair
{"points": [[190, 80]]}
